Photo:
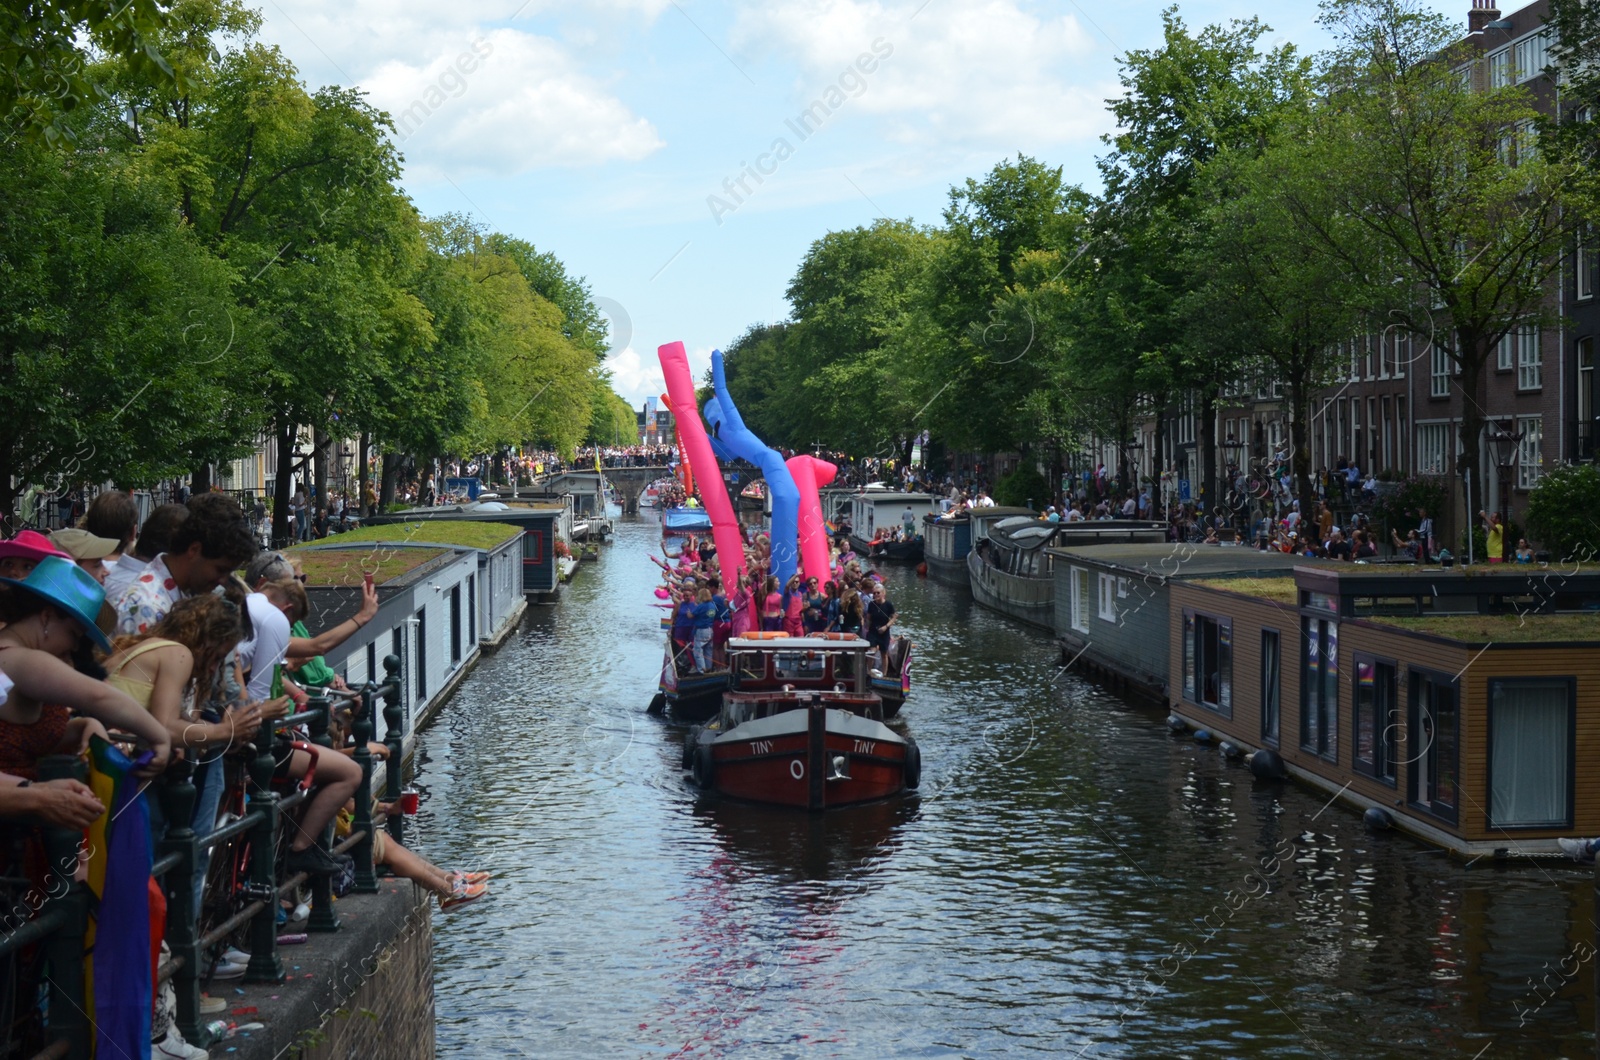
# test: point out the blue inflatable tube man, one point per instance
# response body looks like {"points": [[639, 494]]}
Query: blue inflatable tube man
{"points": [[731, 438]]}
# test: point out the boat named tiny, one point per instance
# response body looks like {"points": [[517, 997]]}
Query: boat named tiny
{"points": [[801, 726]]}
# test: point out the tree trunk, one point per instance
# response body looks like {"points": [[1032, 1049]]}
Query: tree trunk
{"points": [[1206, 435], [391, 474], [1158, 465], [281, 530], [363, 473], [320, 444], [1300, 445], [200, 480], [1474, 388]]}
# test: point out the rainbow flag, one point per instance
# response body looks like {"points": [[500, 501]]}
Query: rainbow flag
{"points": [[119, 980]]}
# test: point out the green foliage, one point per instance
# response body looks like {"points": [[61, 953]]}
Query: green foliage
{"points": [[1398, 509], [1024, 487], [1564, 511]]}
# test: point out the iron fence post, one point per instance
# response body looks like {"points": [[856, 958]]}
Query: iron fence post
{"points": [[394, 737], [63, 950], [322, 915], [361, 731], [264, 966], [183, 926]]}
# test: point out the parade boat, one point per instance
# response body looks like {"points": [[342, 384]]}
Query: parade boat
{"points": [[801, 726]]}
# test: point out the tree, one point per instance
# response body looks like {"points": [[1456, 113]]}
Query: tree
{"points": [[613, 421], [1562, 512], [1431, 191]]}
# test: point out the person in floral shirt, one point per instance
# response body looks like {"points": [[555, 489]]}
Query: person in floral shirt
{"points": [[212, 542]]}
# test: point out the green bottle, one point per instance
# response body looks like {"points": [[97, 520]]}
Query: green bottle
{"points": [[277, 681]]}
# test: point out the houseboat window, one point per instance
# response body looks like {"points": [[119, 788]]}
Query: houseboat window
{"points": [[1322, 601], [844, 667], [1530, 752], [1208, 661], [1377, 718], [1319, 687], [1108, 597], [1432, 738], [1271, 685], [1080, 599], [792, 665], [752, 665], [422, 654]]}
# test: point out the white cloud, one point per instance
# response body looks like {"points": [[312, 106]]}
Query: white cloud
{"points": [[506, 102], [989, 73], [637, 376]]}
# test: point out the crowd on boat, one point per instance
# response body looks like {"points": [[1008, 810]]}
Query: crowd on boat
{"points": [[706, 612], [131, 644]]}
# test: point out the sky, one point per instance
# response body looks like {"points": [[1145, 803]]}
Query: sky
{"points": [[682, 155]]}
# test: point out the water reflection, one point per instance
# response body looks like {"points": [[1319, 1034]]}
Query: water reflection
{"points": [[1071, 880]]}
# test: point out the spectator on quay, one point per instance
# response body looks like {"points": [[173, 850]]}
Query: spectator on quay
{"points": [[88, 551], [298, 509], [1411, 548], [1363, 546], [1494, 535], [1524, 551], [155, 536], [1425, 535], [1338, 548], [22, 553], [46, 654], [206, 547], [1324, 521], [113, 514]]}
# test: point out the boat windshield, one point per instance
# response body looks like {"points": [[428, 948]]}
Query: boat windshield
{"points": [[751, 665], [844, 667], [789, 666]]}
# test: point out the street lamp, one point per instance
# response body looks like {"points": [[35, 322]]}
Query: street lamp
{"points": [[1507, 447]]}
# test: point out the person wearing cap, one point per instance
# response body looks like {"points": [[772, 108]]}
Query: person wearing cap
{"points": [[87, 550], [50, 619], [22, 553], [1052, 515]]}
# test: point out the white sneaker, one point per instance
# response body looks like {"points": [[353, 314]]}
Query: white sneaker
{"points": [[234, 955], [1580, 850], [173, 1047], [227, 969]]}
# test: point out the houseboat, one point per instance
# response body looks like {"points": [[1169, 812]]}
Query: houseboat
{"points": [[1012, 570], [801, 727], [949, 537], [1112, 604], [1461, 707], [879, 514], [590, 519], [546, 531]]}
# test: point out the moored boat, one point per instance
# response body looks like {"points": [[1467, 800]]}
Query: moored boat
{"points": [[801, 726], [877, 515]]}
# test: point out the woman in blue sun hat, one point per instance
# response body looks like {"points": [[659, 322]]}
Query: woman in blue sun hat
{"points": [[46, 653]]}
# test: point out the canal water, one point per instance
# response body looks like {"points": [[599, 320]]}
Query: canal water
{"points": [[1071, 880]]}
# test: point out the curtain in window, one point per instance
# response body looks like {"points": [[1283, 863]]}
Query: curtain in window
{"points": [[1530, 754]]}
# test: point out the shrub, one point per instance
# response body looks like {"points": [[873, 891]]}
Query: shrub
{"points": [[1022, 486], [1396, 509], [1564, 511]]}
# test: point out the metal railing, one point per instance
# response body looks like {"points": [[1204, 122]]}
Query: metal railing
{"points": [[62, 918]]}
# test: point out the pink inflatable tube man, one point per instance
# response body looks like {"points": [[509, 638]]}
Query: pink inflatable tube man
{"points": [[703, 462], [810, 474]]}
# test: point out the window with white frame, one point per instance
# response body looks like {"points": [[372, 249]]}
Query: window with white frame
{"points": [[1433, 448], [1079, 582], [1531, 55], [1402, 353], [1584, 266], [1530, 455], [1506, 352], [1355, 362], [1439, 385], [1585, 382], [1108, 597], [1500, 72], [1530, 358]]}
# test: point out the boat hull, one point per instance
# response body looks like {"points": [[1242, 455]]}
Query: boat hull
{"points": [[812, 757], [948, 571], [893, 551], [1030, 600], [691, 697]]}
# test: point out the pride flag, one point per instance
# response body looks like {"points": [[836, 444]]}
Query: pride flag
{"points": [[119, 980]]}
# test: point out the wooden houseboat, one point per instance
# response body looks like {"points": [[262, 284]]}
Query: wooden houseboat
{"points": [[801, 727], [872, 511], [1012, 570], [1112, 604], [1462, 707]]}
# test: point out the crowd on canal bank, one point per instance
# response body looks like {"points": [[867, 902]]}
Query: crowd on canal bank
{"points": [[137, 653]]}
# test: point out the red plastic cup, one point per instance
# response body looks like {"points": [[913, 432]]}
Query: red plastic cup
{"points": [[409, 800]]}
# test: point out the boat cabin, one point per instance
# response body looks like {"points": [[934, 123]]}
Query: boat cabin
{"points": [[875, 508], [772, 674]]}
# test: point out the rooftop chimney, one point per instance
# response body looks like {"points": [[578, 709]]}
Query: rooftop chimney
{"points": [[1483, 12]]}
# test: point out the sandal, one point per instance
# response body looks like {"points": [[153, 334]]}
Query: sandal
{"points": [[464, 893]]}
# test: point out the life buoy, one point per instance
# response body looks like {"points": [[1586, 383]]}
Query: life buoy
{"points": [[913, 767], [704, 769], [690, 742], [764, 635], [836, 636]]}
